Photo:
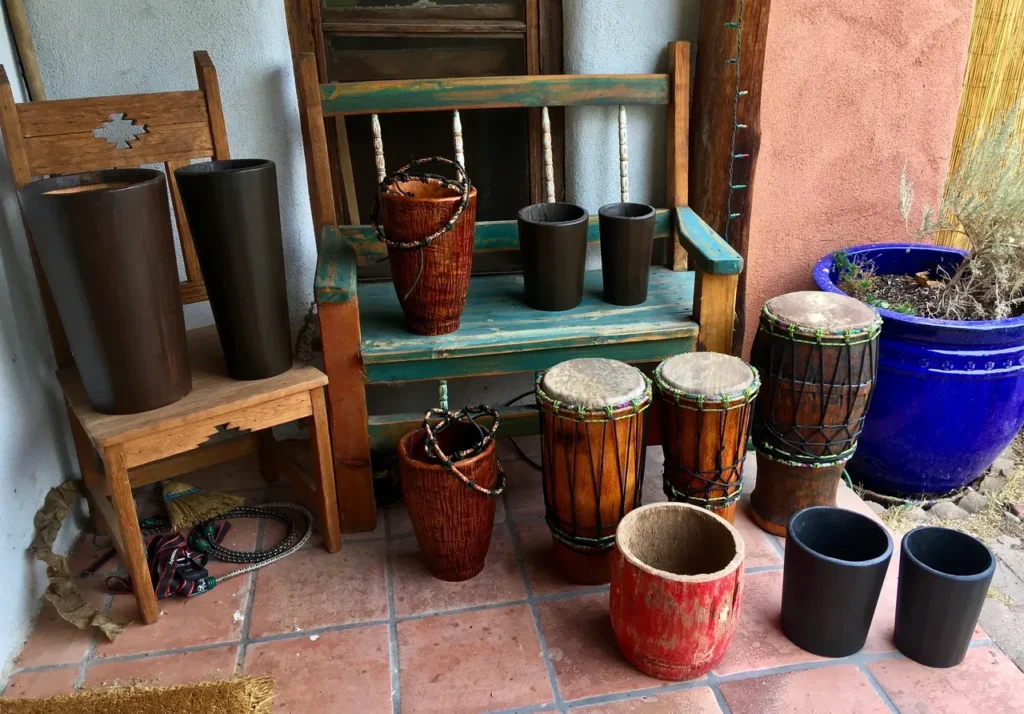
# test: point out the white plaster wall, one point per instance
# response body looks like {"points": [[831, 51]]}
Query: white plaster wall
{"points": [[34, 443]]}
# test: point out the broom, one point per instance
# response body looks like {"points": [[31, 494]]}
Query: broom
{"points": [[188, 506]]}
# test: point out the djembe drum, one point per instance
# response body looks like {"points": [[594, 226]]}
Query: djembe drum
{"points": [[706, 401], [593, 426], [817, 354]]}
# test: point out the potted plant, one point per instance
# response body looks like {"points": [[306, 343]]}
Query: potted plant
{"points": [[950, 391]]}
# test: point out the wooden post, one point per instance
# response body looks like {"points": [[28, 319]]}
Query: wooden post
{"points": [[26, 49], [677, 136], [314, 138], [323, 469]]}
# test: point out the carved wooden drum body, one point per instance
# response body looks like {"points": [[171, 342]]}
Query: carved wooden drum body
{"points": [[593, 419], [707, 400]]}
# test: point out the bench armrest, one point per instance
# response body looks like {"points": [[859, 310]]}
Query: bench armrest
{"points": [[706, 249], [335, 268]]}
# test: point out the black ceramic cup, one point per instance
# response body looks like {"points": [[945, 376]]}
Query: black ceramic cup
{"points": [[232, 211], [627, 239], [553, 245], [944, 578], [834, 569]]}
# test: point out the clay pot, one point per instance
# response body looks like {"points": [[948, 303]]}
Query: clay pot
{"points": [[627, 239], [944, 579], [553, 246], [676, 589], [233, 214], [452, 522], [783, 488], [431, 283], [836, 562], [106, 247]]}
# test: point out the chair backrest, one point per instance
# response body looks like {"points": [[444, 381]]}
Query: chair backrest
{"points": [[74, 135], [536, 92]]}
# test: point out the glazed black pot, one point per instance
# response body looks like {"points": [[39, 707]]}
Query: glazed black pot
{"points": [[233, 214], [835, 565], [627, 239], [944, 578], [553, 245], [106, 247]]}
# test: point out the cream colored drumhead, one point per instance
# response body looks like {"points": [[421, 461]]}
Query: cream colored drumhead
{"points": [[593, 382], [821, 311], [706, 373]]}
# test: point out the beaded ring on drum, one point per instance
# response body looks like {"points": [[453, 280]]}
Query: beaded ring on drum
{"points": [[593, 437], [817, 357], [707, 400]]}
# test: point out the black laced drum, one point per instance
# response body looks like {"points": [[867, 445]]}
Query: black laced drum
{"points": [[593, 425]]}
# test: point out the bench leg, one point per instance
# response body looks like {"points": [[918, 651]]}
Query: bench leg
{"points": [[350, 438], [323, 470], [714, 305], [265, 455]]}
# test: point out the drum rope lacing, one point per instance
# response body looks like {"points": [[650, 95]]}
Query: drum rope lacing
{"points": [[467, 415]]}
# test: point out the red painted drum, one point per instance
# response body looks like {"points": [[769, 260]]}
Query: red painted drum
{"points": [[676, 589], [593, 422], [706, 400]]}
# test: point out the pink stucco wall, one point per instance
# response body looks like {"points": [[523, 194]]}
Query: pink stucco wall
{"points": [[852, 92]]}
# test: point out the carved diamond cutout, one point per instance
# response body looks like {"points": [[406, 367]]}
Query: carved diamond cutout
{"points": [[119, 131]]}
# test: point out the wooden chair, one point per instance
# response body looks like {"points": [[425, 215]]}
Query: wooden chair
{"points": [[56, 137], [364, 340]]}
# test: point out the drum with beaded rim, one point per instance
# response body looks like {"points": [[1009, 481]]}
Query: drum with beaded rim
{"points": [[706, 401], [593, 425]]}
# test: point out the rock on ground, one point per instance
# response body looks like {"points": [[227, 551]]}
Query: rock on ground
{"points": [[876, 508], [973, 502], [946, 511], [918, 515], [993, 484]]}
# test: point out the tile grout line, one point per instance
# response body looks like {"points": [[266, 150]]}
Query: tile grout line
{"points": [[243, 643], [879, 690], [91, 651], [719, 697], [389, 585]]}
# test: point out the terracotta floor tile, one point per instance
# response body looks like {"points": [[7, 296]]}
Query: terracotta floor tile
{"points": [[42, 684], [842, 689], [987, 682], [759, 642], [214, 664], [760, 548], [881, 632], [417, 591], [53, 639], [582, 647], [524, 494], [343, 672], [314, 588], [538, 554], [400, 525], [471, 662], [87, 550], [699, 700]]}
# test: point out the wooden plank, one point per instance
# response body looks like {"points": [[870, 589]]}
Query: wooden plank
{"points": [[338, 11], [706, 248], [194, 460], [193, 292], [71, 153], [715, 310], [677, 134], [388, 429], [314, 140], [403, 27], [76, 116], [193, 273], [493, 93], [336, 268], [323, 470], [206, 75]]}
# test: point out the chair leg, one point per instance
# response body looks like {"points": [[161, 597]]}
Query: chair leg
{"points": [[323, 470], [129, 534], [265, 457], [90, 474]]}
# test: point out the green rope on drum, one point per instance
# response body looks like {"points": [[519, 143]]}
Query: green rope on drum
{"points": [[596, 415], [848, 336], [578, 542], [711, 503], [728, 402], [781, 458]]}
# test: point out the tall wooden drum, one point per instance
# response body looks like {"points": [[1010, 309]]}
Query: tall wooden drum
{"points": [[593, 426], [706, 401]]}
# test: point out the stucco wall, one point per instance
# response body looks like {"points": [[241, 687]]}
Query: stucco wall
{"points": [[852, 92]]}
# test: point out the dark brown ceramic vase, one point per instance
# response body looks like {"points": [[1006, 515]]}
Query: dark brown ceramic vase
{"points": [[235, 220], [452, 522], [431, 283], [553, 245], [106, 247], [627, 240]]}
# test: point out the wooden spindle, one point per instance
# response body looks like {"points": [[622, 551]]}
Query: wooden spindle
{"points": [[378, 148], [549, 163], [623, 154], [460, 156]]}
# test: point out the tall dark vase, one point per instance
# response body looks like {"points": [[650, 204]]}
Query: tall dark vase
{"points": [[944, 579], [106, 247], [627, 240], [836, 562], [553, 245], [235, 221]]}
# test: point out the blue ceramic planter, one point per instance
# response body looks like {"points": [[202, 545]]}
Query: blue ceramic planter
{"points": [[950, 394]]}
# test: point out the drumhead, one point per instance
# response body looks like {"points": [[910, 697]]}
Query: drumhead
{"points": [[816, 310], [594, 383], [706, 373]]}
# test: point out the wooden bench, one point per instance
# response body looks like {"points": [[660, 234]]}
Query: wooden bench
{"points": [[364, 338]]}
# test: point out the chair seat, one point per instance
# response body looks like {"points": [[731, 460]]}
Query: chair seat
{"points": [[213, 393], [500, 334]]}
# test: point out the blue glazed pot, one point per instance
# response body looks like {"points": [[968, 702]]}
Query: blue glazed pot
{"points": [[950, 394]]}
